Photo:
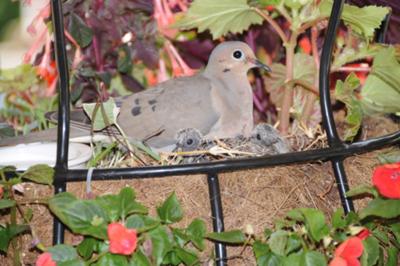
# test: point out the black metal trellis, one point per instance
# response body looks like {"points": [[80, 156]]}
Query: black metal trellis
{"points": [[336, 152]]}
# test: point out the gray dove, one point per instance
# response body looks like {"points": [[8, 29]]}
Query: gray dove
{"points": [[217, 102]]}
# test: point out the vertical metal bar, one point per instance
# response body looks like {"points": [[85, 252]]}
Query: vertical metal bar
{"points": [[61, 166], [380, 35], [217, 216], [325, 101]]}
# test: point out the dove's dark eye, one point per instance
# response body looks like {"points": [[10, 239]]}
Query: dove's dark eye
{"points": [[237, 54], [189, 142], [258, 136]]}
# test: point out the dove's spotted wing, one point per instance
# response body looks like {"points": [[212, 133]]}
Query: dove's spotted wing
{"points": [[158, 113]]}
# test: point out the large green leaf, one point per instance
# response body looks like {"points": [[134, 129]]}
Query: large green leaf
{"points": [[139, 259], [9, 232], [62, 252], [161, 243], [80, 31], [19, 78], [220, 17], [127, 203], [381, 92], [384, 208], [87, 247], [6, 203], [315, 223], [187, 256], [170, 211], [363, 20], [232, 237], [393, 256], [112, 260], [305, 258], [40, 173], [196, 232], [371, 251], [141, 223], [81, 216], [278, 241]]}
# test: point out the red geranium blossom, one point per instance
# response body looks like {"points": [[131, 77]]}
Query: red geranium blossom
{"points": [[348, 252], [45, 260], [386, 179], [122, 240]]}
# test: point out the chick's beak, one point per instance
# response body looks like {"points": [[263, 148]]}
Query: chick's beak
{"points": [[257, 63]]}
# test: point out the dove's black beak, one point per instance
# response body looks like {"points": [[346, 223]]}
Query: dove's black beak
{"points": [[258, 64]]}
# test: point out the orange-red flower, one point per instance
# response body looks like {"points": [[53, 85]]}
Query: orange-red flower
{"points": [[364, 234], [1, 191], [386, 179], [305, 45], [348, 252], [45, 260], [122, 240]]}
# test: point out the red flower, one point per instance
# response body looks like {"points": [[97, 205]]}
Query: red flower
{"points": [[45, 260], [364, 234], [386, 179], [348, 252], [1, 191], [305, 45], [122, 240]]}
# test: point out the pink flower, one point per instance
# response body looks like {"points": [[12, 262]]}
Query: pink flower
{"points": [[348, 252], [386, 179], [45, 260], [179, 67], [122, 240]]}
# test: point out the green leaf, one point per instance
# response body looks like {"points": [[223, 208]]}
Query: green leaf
{"points": [[124, 63], [87, 247], [74, 262], [219, 17], [196, 232], [363, 189], [19, 78], [260, 249], [294, 243], [344, 92], [9, 232], [62, 252], [381, 92], [180, 236], [395, 228], [141, 223], [381, 234], [305, 258], [110, 204], [315, 223], [232, 237], [371, 251], [161, 243], [80, 31], [187, 256], [278, 241], [362, 20], [338, 222], [384, 208], [393, 256], [81, 216], [389, 157], [100, 119], [6, 203], [170, 211], [112, 260], [127, 203], [265, 3], [40, 173], [139, 259]]}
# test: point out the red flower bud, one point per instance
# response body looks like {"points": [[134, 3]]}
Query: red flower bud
{"points": [[45, 259], [122, 240]]}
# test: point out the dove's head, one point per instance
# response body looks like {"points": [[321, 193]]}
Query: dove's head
{"points": [[233, 56], [188, 139]]}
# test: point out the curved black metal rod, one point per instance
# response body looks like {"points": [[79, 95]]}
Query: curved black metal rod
{"points": [[76, 175], [325, 101], [61, 166]]}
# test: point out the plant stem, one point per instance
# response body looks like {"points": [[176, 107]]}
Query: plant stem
{"points": [[311, 98], [273, 24], [288, 91], [352, 69], [306, 85]]}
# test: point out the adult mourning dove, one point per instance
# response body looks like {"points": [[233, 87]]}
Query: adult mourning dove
{"points": [[217, 101]]}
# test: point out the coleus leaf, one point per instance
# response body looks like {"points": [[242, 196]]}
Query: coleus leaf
{"points": [[220, 17], [80, 31]]}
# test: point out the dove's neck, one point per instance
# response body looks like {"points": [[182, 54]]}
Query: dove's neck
{"points": [[234, 90]]}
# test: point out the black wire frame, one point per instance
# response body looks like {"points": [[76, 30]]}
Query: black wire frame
{"points": [[336, 152]]}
